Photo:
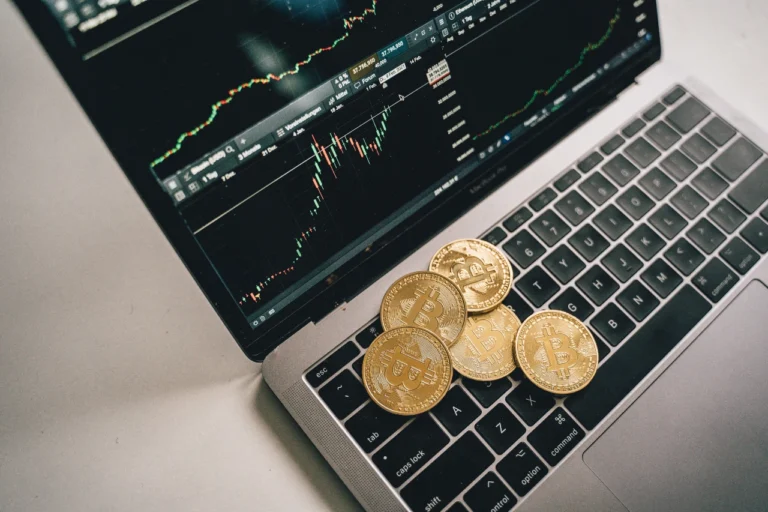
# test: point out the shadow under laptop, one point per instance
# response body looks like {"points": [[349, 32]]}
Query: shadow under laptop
{"points": [[330, 488]]}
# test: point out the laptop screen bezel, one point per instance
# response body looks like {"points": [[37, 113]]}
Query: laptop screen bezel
{"points": [[256, 344]]}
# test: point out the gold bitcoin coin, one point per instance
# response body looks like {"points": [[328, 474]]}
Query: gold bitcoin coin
{"points": [[479, 269], [428, 301], [556, 352], [407, 371], [484, 349]]}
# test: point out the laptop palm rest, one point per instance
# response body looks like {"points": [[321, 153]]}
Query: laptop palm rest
{"points": [[697, 439]]}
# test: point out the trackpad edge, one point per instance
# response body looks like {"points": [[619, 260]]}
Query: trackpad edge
{"points": [[697, 439]]}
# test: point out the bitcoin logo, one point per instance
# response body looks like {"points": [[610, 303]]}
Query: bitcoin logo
{"points": [[556, 346], [407, 371], [472, 271], [556, 352], [480, 270], [484, 349], [426, 310], [483, 338], [428, 301]]}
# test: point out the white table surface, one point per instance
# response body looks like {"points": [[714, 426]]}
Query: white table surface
{"points": [[119, 387]]}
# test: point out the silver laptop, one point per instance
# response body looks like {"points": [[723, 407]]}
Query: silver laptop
{"points": [[300, 155]]}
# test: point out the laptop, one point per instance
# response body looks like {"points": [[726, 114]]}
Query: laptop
{"points": [[301, 155]]}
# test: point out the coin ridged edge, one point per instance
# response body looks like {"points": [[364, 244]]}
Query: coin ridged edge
{"points": [[500, 374], [435, 276], [440, 347], [525, 366], [494, 302]]}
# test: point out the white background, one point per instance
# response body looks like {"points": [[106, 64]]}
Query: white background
{"points": [[119, 387]]}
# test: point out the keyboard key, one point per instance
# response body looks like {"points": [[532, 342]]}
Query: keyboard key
{"points": [[678, 165], [633, 128], [325, 370], [372, 425], [456, 410], [638, 301], [689, 202], [550, 228], [706, 236], [740, 256], [654, 112], [673, 96], [622, 263], [490, 494], [545, 197], [709, 183], [573, 303], [357, 366], [612, 144], [689, 114], [530, 402], [635, 202], [370, 333], [518, 305], [448, 475], [698, 149], [597, 285], [658, 184], [627, 366], [684, 256], [566, 180], [456, 507], [718, 131], [343, 394], [500, 429], [574, 208], [517, 219], [564, 264], [620, 170], [715, 280], [727, 216], [645, 242], [522, 469], [668, 222], [556, 436], [764, 214], [524, 249], [662, 135], [752, 192], [588, 242], [642, 152], [613, 324], [410, 450], [487, 392], [662, 278], [612, 222], [598, 188], [496, 236], [756, 233], [736, 159], [537, 286], [590, 162]]}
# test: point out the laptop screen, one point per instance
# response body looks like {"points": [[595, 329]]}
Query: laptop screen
{"points": [[293, 138]]}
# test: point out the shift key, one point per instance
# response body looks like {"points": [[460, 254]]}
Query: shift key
{"points": [[410, 450], [448, 476]]}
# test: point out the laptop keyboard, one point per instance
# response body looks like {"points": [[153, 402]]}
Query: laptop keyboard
{"points": [[640, 240]]}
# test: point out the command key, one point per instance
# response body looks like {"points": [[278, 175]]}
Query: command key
{"points": [[556, 436]]}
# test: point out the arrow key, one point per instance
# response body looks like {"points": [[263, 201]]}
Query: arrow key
{"points": [[489, 493]]}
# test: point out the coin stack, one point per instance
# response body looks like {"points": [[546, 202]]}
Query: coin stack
{"points": [[452, 317]]}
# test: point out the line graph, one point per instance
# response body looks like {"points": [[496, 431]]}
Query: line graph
{"points": [[326, 158], [349, 24], [589, 48]]}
